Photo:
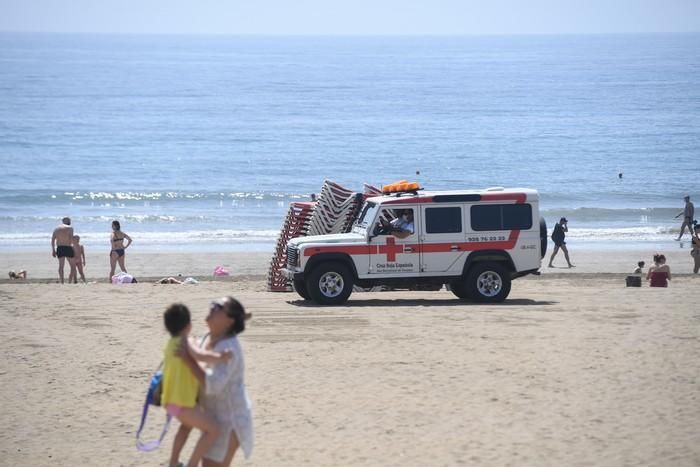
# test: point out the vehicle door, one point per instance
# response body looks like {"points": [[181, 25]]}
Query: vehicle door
{"points": [[442, 238], [390, 255]]}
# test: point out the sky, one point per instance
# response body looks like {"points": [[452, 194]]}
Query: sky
{"points": [[350, 17]]}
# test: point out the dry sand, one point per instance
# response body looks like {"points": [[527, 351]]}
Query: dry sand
{"points": [[150, 265], [573, 369]]}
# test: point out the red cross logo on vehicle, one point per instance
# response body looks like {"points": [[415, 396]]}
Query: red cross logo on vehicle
{"points": [[390, 249]]}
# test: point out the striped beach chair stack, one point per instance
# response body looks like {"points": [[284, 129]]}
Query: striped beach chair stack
{"points": [[335, 211], [371, 190], [295, 225]]}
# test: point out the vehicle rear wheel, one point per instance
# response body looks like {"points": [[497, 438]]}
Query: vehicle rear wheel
{"points": [[488, 283], [330, 283], [300, 288], [543, 237]]}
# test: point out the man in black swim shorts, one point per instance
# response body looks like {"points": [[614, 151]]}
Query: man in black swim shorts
{"points": [[61, 246], [64, 251]]}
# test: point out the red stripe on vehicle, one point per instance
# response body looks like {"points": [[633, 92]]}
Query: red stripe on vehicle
{"points": [[390, 249], [414, 200], [349, 250], [519, 198]]}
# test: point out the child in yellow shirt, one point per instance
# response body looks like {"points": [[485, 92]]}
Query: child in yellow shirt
{"points": [[180, 387]]}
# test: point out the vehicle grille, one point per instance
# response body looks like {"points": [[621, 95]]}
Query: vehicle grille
{"points": [[292, 255]]}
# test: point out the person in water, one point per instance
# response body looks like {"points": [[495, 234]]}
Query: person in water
{"points": [[118, 251]]}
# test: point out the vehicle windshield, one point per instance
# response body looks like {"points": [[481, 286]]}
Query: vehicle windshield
{"points": [[369, 212]]}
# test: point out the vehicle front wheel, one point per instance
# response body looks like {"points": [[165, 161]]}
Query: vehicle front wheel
{"points": [[459, 288], [488, 283], [330, 283], [300, 288]]}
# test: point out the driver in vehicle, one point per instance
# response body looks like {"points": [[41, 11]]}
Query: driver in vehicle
{"points": [[402, 226]]}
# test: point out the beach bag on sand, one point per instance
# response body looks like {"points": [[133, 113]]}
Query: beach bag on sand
{"points": [[123, 278], [155, 388], [633, 281], [220, 271]]}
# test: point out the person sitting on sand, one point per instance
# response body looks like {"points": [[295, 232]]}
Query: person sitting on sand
{"points": [[18, 275], [640, 266], [660, 273], [181, 387]]}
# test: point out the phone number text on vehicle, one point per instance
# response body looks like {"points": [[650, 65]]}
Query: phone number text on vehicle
{"points": [[499, 238]]}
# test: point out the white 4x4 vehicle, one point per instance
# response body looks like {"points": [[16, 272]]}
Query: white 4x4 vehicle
{"points": [[474, 241]]}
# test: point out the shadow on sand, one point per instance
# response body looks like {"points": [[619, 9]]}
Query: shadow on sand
{"points": [[415, 302]]}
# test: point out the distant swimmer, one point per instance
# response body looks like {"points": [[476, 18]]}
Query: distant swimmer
{"points": [[619, 175], [62, 246], [688, 214]]}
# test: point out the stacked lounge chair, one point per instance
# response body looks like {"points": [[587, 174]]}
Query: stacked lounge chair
{"points": [[334, 212], [295, 225]]}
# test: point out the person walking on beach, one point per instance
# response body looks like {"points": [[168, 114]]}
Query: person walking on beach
{"points": [[61, 246], [695, 252], [688, 214], [558, 236], [117, 253], [181, 388], [224, 396]]}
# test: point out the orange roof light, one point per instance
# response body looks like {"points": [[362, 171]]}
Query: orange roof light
{"points": [[400, 187]]}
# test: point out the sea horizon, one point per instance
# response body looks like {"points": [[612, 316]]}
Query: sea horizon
{"points": [[202, 141]]}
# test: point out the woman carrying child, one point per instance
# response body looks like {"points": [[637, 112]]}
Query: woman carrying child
{"points": [[224, 397], [181, 387]]}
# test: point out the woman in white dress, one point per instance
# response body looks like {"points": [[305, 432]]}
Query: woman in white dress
{"points": [[224, 396]]}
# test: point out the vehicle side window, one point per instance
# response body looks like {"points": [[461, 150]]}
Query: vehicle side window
{"points": [[488, 217], [443, 220]]}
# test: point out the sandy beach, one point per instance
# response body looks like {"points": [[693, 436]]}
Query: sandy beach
{"points": [[573, 369], [151, 265]]}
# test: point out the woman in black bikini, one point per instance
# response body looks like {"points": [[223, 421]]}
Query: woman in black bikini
{"points": [[695, 252], [118, 247]]}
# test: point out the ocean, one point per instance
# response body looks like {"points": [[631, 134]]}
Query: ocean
{"points": [[201, 142]]}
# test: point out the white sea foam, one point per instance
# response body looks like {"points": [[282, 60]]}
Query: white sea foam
{"points": [[152, 238]]}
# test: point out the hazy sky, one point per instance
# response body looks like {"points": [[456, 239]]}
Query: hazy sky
{"points": [[351, 16]]}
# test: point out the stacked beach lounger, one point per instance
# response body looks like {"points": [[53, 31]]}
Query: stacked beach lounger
{"points": [[334, 212], [295, 225]]}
